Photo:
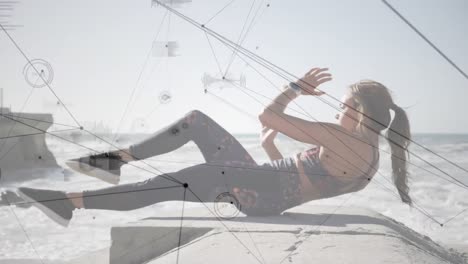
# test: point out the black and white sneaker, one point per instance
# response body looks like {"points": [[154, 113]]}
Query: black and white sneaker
{"points": [[55, 204], [104, 166]]}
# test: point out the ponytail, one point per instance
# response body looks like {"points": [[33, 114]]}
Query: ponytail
{"points": [[399, 137]]}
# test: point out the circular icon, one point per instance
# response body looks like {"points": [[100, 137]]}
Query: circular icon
{"points": [[38, 73], [165, 97], [226, 205]]}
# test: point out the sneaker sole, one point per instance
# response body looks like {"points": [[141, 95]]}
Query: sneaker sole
{"points": [[88, 170], [51, 214]]}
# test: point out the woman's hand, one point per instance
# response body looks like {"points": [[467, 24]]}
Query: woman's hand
{"points": [[247, 198], [312, 79], [267, 136]]}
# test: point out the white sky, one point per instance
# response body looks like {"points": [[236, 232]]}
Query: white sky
{"points": [[97, 49]]}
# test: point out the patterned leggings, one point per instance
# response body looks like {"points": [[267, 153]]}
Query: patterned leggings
{"points": [[228, 166]]}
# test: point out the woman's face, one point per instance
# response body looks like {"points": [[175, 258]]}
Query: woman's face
{"points": [[348, 117]]}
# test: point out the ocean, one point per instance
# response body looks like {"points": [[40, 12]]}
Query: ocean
{"points": [[28, 234]]}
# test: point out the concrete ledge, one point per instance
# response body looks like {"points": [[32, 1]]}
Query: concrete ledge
{"points": [[305, 234], [26, 151], [135, 245]]}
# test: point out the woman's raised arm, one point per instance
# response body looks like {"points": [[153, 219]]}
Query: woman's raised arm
{"points": [[267, 138]]}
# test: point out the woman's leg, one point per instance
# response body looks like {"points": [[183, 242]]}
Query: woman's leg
{"points": [[202, 183], [206, 181], [214, 142]]}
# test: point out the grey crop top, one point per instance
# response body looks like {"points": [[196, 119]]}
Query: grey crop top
{"points": [[330, 185]]}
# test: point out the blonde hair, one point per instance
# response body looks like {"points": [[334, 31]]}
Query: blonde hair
{"points": [[374, 103]]}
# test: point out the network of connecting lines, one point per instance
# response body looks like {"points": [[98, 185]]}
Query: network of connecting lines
{"points": [[38, 73]]}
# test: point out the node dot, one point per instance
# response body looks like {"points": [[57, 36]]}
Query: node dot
{"points": [[81, 128], [344, 172], [441, 225], [40, 157], [185, 185], [175, 131], [222, 172], [368, 179]]}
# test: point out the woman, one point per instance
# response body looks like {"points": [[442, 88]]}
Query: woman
{"points": [[344, 160]]}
